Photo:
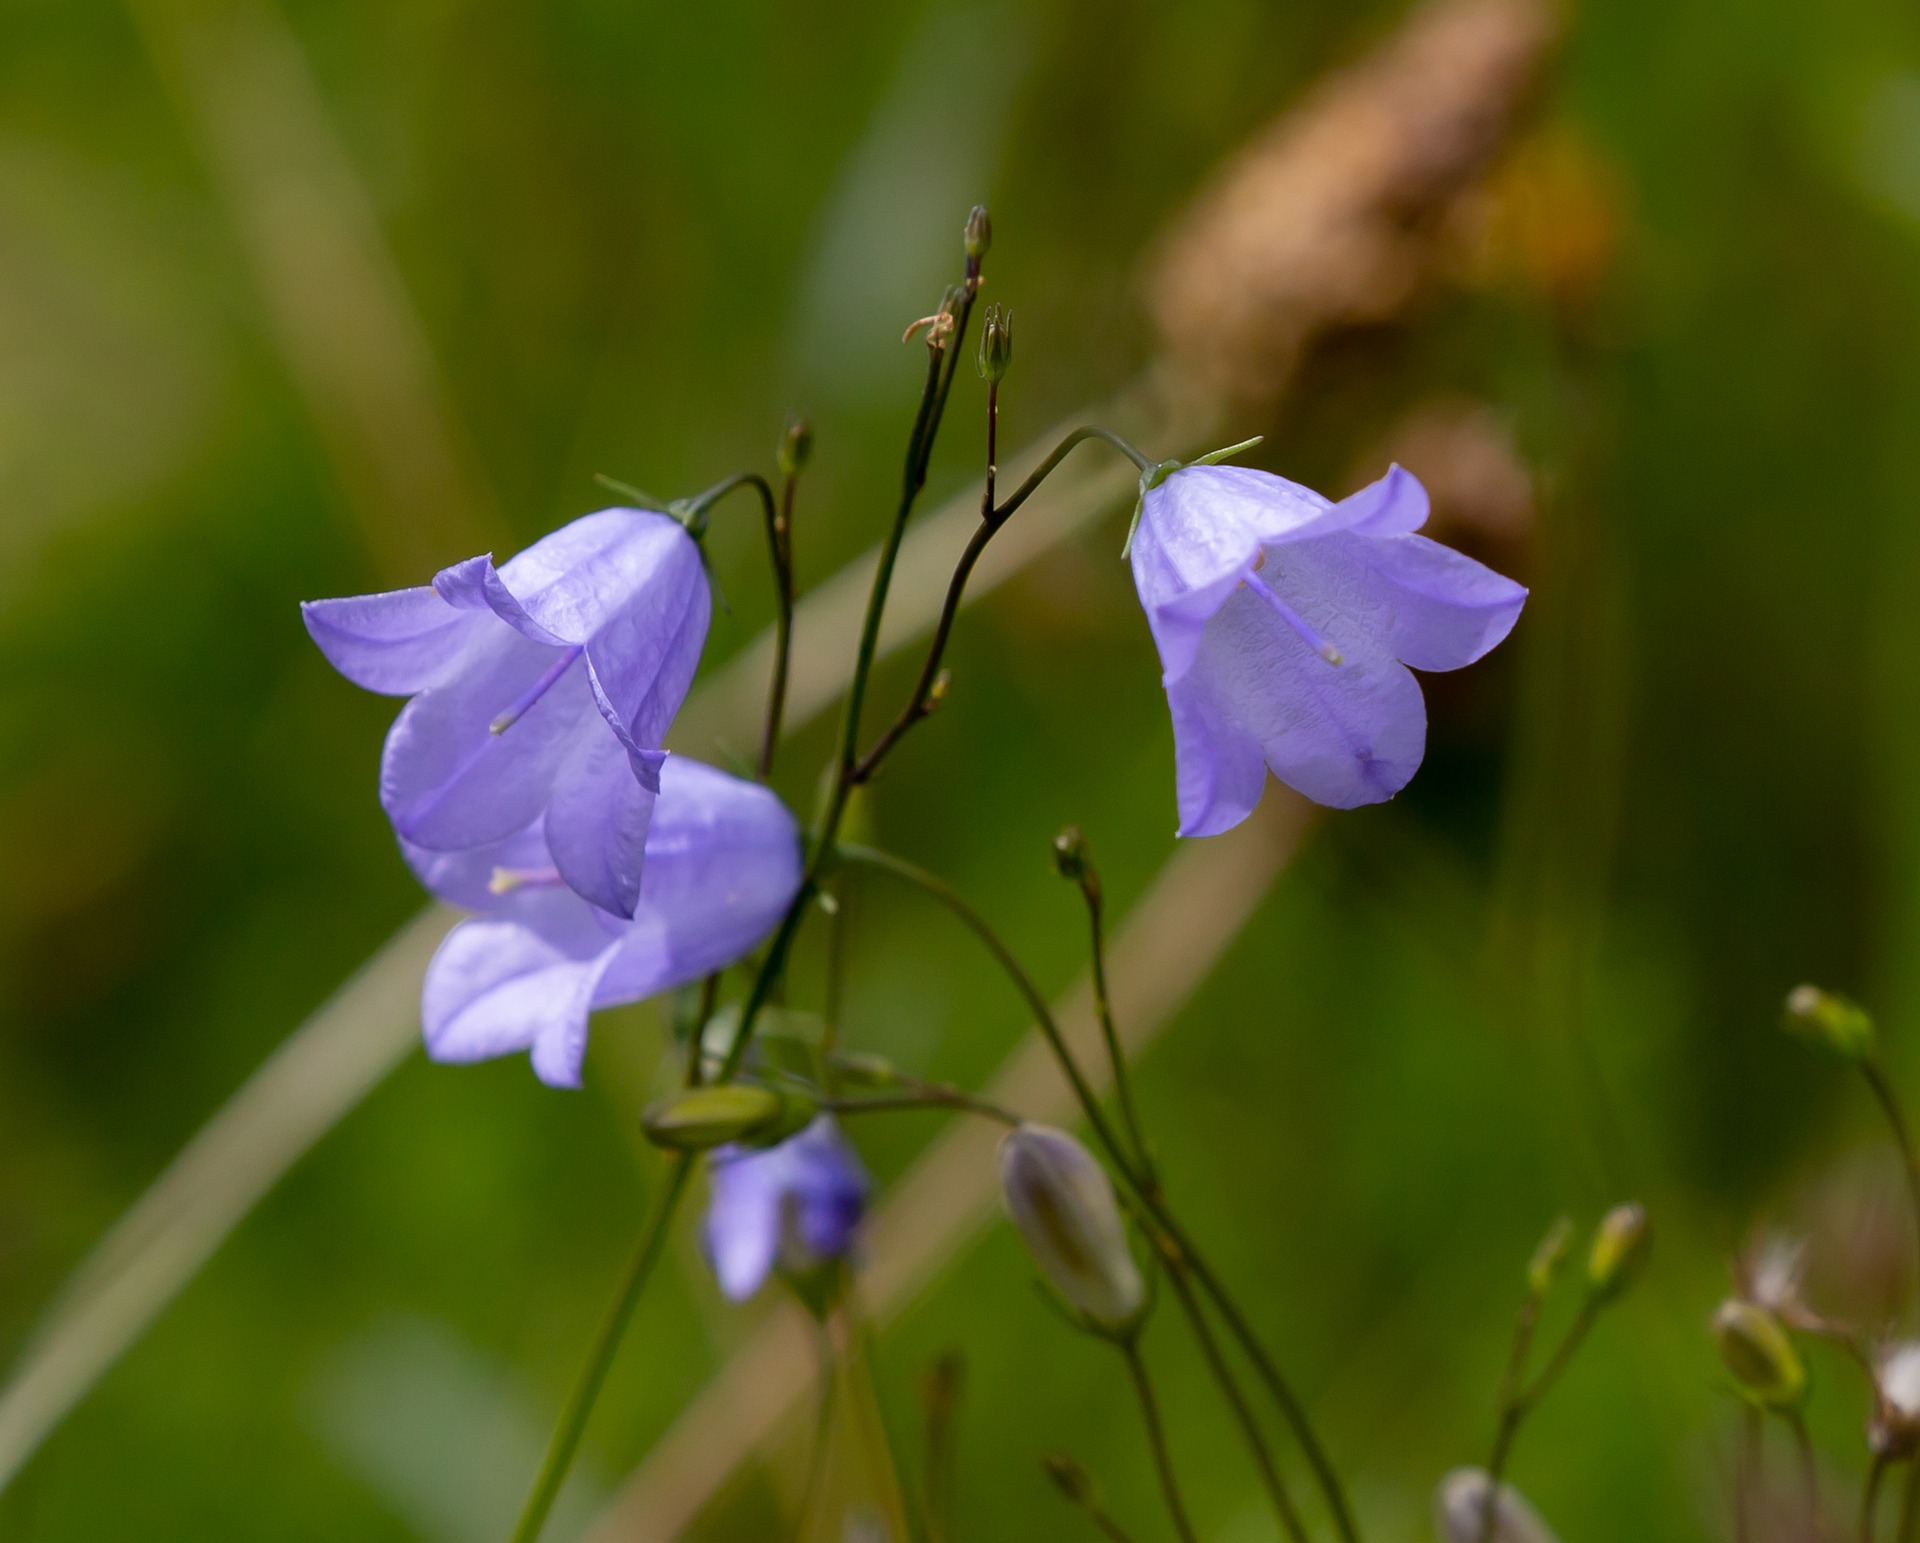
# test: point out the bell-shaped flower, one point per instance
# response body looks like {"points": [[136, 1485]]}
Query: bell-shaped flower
{"points": [[796, 1205], [1285, 626], [541, 692], [1460, 1507], [722, 864]]}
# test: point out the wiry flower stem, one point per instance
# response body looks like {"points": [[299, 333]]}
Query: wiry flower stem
{"points": [[573, 1416], [1157, 1440], [1909, 1505], [780, 548], [1809, 1471], [1870, 1497], [1890, 1105], [1092, 893], [1517, 1402]]}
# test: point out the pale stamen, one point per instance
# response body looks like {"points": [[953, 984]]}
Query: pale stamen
{"points": [[1296, 621], [536, 691], [506, 880]]}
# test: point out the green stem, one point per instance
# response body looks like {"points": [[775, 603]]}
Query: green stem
{"points": [[1092, 893], [1270, 1478], [1157, 1439], [1890, 1105], [780, 548], [927, 1097], [1809, 1471], [1870, 1497], [586, 1389], [1746, 1471], [1909, 1503]]}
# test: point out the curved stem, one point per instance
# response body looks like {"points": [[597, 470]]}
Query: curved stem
{"points": [[586, 1389], [1092, 893], [1270, 1478], [926, 1096], [780, 548], [1746, 1473], [1870, 1497], [1511, 1411], [1157, 1439], [1890, 1105], [1809, 1472], [1909, 1504]]}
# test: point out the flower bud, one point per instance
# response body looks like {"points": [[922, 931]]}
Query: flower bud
{"points": [[1831, 1021], [1543, 1269], [1070, 853], [798, 1110], [864, 1069], [996, 344], [1063, 1204], [979, 232], [796, 447], [1074, 1481], [1759, 1354], [1619, 1247], [1460, 1509], [709, 1117]]}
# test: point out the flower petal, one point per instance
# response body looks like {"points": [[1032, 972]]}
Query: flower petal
{"points": [[466, 878], [476, 585], [396, 643], [642, 655], [597, 819], [743, 1221], [494, 987], [1343, 734], [1445, 610], [448, 781], [1394, 505]]}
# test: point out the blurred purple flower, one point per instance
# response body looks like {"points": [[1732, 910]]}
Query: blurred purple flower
{"points": [[541, 692], [722, 863], [1285, 624], [797, 1205]]}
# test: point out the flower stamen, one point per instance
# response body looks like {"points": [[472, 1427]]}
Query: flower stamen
{"points": [[1296, 621], [506, 880], [537, 690]]}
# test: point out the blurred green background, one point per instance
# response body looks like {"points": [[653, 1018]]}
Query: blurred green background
{"points": [[631, 238]]}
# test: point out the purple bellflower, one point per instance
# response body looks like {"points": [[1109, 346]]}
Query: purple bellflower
{"points": [[1285, 625], [796, 1205], [541, 691], [722, 864]]}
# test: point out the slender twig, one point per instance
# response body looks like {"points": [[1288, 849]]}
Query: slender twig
{"points": [[1746, 1474], [1909, 1504], [1870, 1496], [927, 1097], [1890, 1104], [696, 1047], [1092, 893], [822, 1429], [573, 1416], [1262, 1454], [1510, 1410], [1073, 1482], [941, 1393], [780, 546], [1157, 1439], [1809, 1471]]}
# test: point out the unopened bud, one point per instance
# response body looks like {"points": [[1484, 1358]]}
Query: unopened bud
{"points": [[937, 692], [1831, 1021], [1760, 1355], [1073, 1480], [1543, 1269], [1062, 1202], [709, 1117], [1070, 853], [979, 232], [1460, 1511], [1619, 1247], [996, 344], [796, 447], [863, 1069], [798, 1110]]}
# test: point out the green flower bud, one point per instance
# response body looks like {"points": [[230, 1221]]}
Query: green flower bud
{"points": [[796, 447], [979, 232], [863, 1069], [996, 344], [1460, 1511], [1062, 1202], [797, 1112], [1070, 853], [1074, 1481], [709, 1117], [1831, 1021], [1760, 1355], [1543, 1269], [1619, 1247]]}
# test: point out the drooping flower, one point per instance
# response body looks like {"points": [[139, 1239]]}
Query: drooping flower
{"points": [[541, 691], [1062, 1202], [1285, 625], [722, 863], [796, 1205], [1460, 1507]]}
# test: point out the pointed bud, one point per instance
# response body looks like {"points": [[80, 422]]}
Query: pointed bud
{"points": [[1831, 1021], [1070, 853], [798, 1110], [1760, 1355], [1062, 1202], [1074, 1481], [979, 232], [1460, 1511], [1619, 1247], [796, 447], [709, 1117], [1543, 1269], [996, 344], [863, 1069]]}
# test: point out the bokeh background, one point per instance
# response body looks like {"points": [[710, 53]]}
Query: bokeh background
{"points": [[631, 239]]}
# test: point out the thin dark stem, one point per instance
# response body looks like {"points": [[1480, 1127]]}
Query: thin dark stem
{"points": [[1262, 1454], [696, 1046], [822, 1428], [1082, 1495], [1890, 1104], [1746, 1474], [1870, 1497], [1153, 1204], [1510, 1412], [1157, 1439], [926, 1096], [780, 548], [573, 1416], [1091, 892], [1909, 1504], [992, 518], [1809, 1471]]}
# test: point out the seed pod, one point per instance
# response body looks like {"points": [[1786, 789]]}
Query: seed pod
{"points": [[796, 446], [1759, 1354], [701, 1118], [1831, 1021], [1619, 1247], [1459, 1511], [979, 232], [1062, 1202], [996, 344]]}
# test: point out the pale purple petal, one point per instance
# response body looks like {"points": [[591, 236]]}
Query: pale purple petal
{"points": [[497, 986], [476, 585], [642, 656], [799, 1204], [1394, 505], [466, 878], [742, 1225], [447, 780], [396, 643], [1443, 610], [597, 820]]}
